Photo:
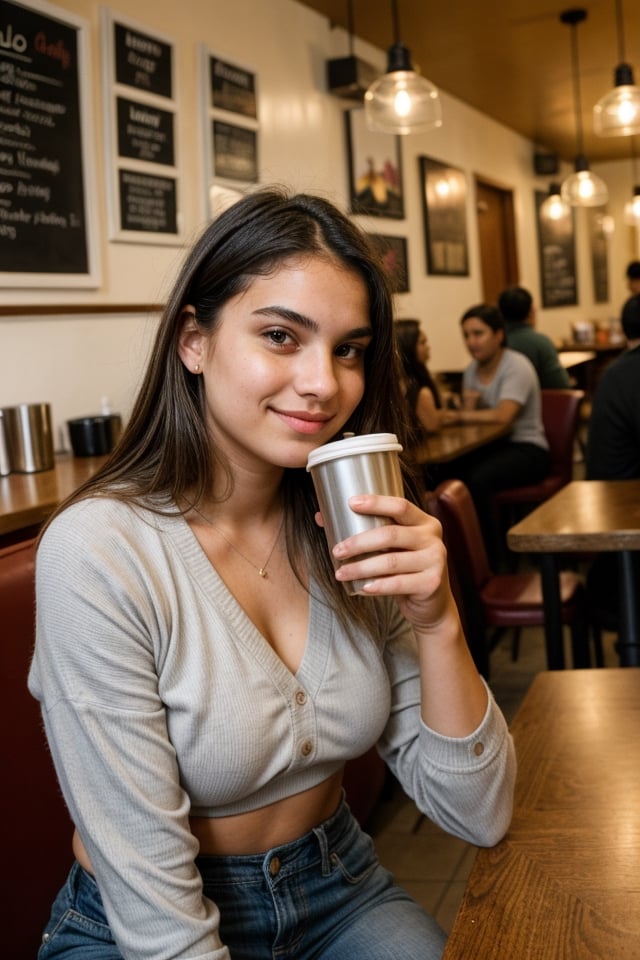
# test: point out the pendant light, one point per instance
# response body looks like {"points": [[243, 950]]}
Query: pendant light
{"points": [[631, 213], [583, 188], [401, 101], [617, 114], [554, 207]]}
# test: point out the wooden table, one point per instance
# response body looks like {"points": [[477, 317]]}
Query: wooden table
{"points": [[573, 358], [456, 440], [27, 499], [563, 884], [585, 516]]}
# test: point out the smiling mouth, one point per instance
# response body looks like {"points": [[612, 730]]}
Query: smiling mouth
{"points": [[301, 422]]}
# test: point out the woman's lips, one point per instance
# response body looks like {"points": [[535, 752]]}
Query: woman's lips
{"points": [[302, 422]]}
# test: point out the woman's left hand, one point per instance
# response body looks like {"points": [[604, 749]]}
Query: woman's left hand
{"points": [[407, 559]]}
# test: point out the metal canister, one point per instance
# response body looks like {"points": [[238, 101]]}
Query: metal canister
{"points": [[29, 437], [5, 465]]}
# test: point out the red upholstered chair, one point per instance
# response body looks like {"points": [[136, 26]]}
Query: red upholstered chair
{"points": [[499, 599], [37, 829], [561, 418]]}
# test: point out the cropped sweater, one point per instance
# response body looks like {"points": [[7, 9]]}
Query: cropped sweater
{"points": [[161, 699]]}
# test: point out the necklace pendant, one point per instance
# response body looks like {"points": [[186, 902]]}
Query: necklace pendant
{"points": [[262, 573]]}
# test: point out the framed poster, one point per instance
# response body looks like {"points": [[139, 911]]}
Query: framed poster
{"points": [[48, 222], [598, 241], [393, 251], [557, 252], [229, 111], [444, 207], [232, 88], [375, 170], [140, 133]]}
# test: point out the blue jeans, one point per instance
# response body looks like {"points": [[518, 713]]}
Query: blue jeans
{"points": [[322, 897]]}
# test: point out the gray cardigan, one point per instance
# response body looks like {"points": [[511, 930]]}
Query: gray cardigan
{"points": [[161, 699]]}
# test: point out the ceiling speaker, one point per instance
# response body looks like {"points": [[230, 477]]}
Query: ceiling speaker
{"points": [[546, 164]]}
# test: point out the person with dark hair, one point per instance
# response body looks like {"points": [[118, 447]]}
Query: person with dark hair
{"points": [[419, 387], [516, 306], [633, 277], [500, 385], [613, 446], [203, 674]]}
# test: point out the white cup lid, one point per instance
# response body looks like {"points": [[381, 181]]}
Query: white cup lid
{"points": [[350, 446]]}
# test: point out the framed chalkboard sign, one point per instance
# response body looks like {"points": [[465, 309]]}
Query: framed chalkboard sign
{"points": [[47, 224], [229, 106], [140, 117], [557, 251]]}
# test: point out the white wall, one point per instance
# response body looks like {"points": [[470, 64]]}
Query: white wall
{"points": [[73, 361]]}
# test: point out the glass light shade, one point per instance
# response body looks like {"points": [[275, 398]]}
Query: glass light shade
{"points": [[554, 207], [617, 114], [401, 100], [632, 209], [583, 188]]}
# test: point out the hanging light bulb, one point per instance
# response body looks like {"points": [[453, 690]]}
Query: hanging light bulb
{"points": [[401, 101], [631, 214], [582, 188], [554, 207], [617, 114]]}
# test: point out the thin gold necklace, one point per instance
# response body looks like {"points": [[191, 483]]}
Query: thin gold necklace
{"points": [[262, 571]]}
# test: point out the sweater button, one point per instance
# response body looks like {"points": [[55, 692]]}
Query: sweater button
{"points": [[306, 748], [301, 698], [478, 749]]}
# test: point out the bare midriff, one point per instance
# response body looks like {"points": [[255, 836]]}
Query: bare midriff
{"points": [[258, 830]]}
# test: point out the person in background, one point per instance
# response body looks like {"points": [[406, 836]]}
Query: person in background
{"points": [[516, 306], [500, 385], [633, 277], [418, 385], [613, 443], [203, 674]]}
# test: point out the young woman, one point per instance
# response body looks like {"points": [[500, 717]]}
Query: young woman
{"points": [[204, 675], [418, 386]]}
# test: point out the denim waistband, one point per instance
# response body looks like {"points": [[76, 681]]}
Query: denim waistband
{"points": [[315, 847]]}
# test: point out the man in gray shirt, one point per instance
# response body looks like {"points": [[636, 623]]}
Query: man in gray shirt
{"points": [[516, 307]]}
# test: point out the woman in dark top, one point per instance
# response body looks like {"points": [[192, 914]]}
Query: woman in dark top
{"points": [[420, 390]]}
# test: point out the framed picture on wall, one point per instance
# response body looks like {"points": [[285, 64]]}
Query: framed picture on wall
{"points": [[557, 251], [444, 205], [375, 171], [599, 255], [393, 251]]}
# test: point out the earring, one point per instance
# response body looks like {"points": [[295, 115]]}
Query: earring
{"points": [[196, 369]]}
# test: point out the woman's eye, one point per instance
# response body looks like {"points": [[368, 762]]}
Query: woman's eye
{"points": [[351, 351], [278, 337]]}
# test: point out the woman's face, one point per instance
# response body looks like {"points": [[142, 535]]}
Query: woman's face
{"points": [[481, 341], [423, 350], [284, 369]]}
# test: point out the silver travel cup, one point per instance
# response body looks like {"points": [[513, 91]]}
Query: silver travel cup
{"points": [[345, 468], [29, 437]]}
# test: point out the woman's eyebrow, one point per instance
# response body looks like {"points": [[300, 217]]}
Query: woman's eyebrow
{"points": [[301, 320]]}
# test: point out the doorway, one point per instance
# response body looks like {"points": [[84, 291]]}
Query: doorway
{"points": [[497, 239]]}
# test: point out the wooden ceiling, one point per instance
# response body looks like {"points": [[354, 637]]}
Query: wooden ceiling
{"points": [[510, 59]]}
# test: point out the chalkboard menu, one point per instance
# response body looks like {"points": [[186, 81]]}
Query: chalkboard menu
{"points": [[556, 245], [230, 127], [599, 255], [140, 134], [44, 230]]}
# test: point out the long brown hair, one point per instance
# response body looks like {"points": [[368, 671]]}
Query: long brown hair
{"points": [[165, 453]]}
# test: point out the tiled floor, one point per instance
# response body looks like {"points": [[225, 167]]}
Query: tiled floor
{"points": [[428, 863]]}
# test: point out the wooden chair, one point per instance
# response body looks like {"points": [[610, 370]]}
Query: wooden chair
{"points": [[500, 600], [561, 418]]}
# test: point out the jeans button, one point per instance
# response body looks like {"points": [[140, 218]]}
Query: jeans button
{"points": [[274, 866]]}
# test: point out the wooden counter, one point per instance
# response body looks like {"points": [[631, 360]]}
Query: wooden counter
{"points": [[27, 499], [564, 881], [456, 440]]}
